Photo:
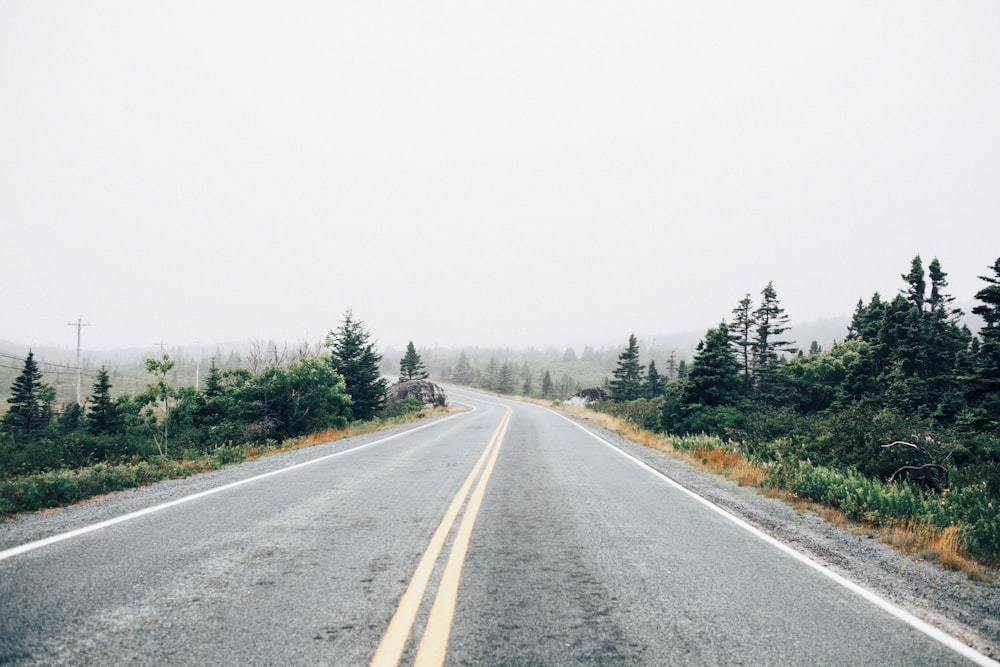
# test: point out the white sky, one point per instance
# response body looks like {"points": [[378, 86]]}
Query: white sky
{"points": [[484, 173]]}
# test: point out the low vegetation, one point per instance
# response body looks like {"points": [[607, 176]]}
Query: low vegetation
{"points": [[51, 457], [898, 427]]}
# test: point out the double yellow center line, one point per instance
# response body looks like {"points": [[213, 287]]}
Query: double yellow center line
{"points": [[434, 641]]}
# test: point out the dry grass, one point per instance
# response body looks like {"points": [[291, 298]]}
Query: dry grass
{"points": [[941, 545]]}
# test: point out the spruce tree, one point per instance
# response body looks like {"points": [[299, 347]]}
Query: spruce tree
{"points": [[548, 389], [627, 385], [985, 386], [464, 373], [353, 356], [505, 379], [740, 330], [713, 378], [652, 386], [770, 323], [102, 413], [24, 417], [916, 289], [411, 366], [491, 378]]}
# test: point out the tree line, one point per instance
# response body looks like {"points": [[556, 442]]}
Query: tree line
{"points": [[265, 404], [911, 397]]}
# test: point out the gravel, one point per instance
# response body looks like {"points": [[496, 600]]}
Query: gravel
{"points": [[966, 609]]}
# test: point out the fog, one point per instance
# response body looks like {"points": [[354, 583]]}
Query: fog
{"points": [[491, 174]]}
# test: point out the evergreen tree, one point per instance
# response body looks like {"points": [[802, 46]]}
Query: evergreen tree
{"points": [[24, 418], [70, 418], [671, 367], [627, 385], [984, 390], [740, 330], [491, 378], [916, 284], [102, 413], [714, 376], [505, 379], [527, 380], [353, 356], [652, 386], [411, 366], [464, 373], [213, 381], [548, 389], [770, 323]]}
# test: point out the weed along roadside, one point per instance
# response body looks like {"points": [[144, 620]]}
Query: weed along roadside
{"points": [[57, 488], [931, 528]]}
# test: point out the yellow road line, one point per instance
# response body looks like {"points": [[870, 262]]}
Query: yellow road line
{"points": [[390, 649], [434, 643]]}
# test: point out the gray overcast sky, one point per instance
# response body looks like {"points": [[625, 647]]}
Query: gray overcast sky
{"points": [[484, 173]]}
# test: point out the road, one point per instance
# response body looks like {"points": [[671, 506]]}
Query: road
{"points": [[505, 535]]}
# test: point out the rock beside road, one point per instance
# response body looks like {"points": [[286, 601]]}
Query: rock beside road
{"points": [[424, 391]]}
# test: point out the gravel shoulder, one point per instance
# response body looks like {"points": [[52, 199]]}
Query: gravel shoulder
{"points": [[965, 609]]}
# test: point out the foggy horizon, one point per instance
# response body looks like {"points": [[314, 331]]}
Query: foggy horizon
{"points": [[457, 174]]}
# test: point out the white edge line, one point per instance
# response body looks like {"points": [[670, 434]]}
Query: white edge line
{"points": [[903, 615], [38, 544]]}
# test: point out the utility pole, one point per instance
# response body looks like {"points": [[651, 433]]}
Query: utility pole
{"points": [[162, 345], [79, 373]]}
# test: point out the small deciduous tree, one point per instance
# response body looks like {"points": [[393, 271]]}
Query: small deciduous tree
{"points": [[161, 390]]}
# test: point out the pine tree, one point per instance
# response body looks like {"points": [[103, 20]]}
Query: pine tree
{"points": [[548, 389], [740, 329], [916, 284], [672, 368], [353, 356], [770, 323], [213, 381], [24, 417], [627, 385], [713, 378], [505, 379], [102, 413], [652, 386], [411, 366], [491, 378], [985, 387], [464, 373]]}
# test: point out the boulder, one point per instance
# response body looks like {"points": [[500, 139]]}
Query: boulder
{"points": [[589, 395], [423, 390]]}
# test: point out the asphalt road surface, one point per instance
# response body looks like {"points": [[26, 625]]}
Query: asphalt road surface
{"points": [[505, 535]]}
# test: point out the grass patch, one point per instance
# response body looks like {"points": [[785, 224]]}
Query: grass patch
{"points": [[948, 530], [58, 488]]}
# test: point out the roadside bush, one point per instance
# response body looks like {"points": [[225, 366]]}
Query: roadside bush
{"points": [[401, 407]]}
